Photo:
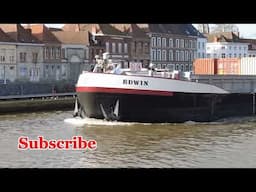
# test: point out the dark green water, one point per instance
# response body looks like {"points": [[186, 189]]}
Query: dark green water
{"points": [[228, 143]]}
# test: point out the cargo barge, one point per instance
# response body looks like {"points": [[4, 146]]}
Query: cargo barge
{"points": [[151, 96]]}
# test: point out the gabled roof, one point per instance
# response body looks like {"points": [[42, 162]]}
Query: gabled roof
{"points": [[19, 33], [131, 29], [43, 34], [71, 37], [104, 29], [178, 29], [4, 37], [223, 37], [71, 27]]}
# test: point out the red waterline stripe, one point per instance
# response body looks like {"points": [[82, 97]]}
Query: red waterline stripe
{"points": [[124, 91]]}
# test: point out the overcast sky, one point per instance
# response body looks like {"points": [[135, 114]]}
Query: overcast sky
{"points": [[246, 30]]}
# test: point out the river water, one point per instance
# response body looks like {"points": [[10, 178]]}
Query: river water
{"points": [[227, 143]]}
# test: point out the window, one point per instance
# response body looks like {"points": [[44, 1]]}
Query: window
{"points": [[177, 43], [159, 54], [153, 41], [177, 67], [186, 67], [182, 56], [190, 67], [230, 55], [23, 57], [214, 55], [186, 55], [244, 55], [182, 43], [203, 55], [182, 67], [107, 46], [119, 47], [240, 55], [158, 41], [164, 42], [153, 54], [186, 43], [125, 48], [170, 43], [234, 54], [53, 52], [164, 55], [198, 45], [208, 55], [202, 45], [194, 44], [11, 59], [34, 57], [44, 52], [198, 55], [191, 56], [113, 47], [223, 55], [170, 55], [190, 44], [47, 53], [177, 55], [58, 53], [63, 53]]}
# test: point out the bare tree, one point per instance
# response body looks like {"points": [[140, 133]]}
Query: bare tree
{"points": [[224, 28]]}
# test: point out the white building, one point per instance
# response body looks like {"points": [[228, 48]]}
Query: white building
{"points": [[29, 52], [8, 64], [201, 46], [226, 45], [74, 52]]}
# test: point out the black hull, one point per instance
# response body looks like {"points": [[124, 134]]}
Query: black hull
{"points": [[180, 107]]}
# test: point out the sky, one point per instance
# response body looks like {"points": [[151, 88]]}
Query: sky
{"points": [[246, 30]]}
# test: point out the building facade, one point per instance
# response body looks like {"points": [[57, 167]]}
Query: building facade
{"points": [[8, 64], [104, 38], [29, 52], [173, 46], [74, 53], [52, 64], [139, 45], [226, 45], [201, 46]]}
